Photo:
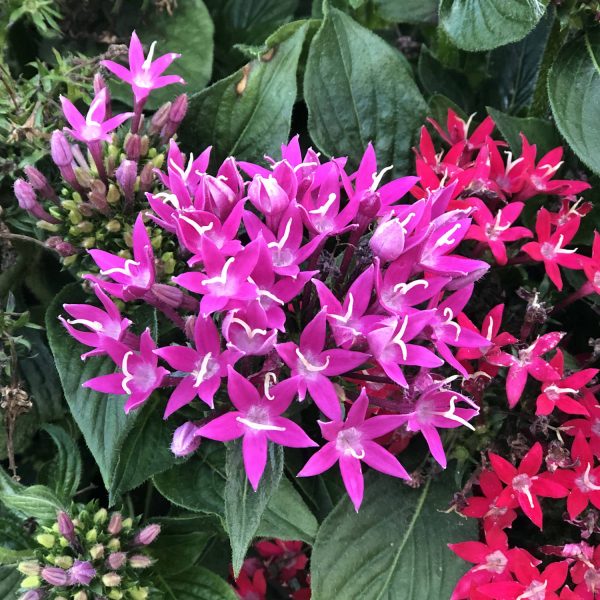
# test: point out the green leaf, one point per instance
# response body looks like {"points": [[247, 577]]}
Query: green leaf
{"points": [[538, 131], [287, 517], [515, 67], [248, 114], [476, 25], [395, 547], [574, 89], [66, 468], [244, 507], [100, 417], [36, 501], [9, 556], [438, 106], [197, 583], [181, 542], [145, 450], [359, 89], [407, 11], [437, 79], [10, 582]]}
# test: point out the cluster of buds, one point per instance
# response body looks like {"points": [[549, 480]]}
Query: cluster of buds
{"points": [[106, 168], [94, 555]]}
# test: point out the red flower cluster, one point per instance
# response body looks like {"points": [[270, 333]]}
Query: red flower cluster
{"points": [[280, 564]]}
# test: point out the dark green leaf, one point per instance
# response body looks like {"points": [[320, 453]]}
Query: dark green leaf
{"points": [[359, 89], [437, 79], [65, 472], [196, 583], [485, 24], [8, 556], [538, 131], [244, 507], [36, 501], [10, 582], [515, 67], [574, 89], [287, 517], [145, 450], [407, 11], [395, 547], [248, 114], [100, 417], [438, 108]]}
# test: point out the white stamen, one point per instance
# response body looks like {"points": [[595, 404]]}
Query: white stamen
{"points": [[451, 414], [148, 61], [403, 288], [345, 318], [323, 209], [359, 455], [124, 270], [222, 278], [377, 177], [490, 330], [270, 379], [200, 229], [249, 331], [169, 198], [91, 324], [284, 238], [201, 373], [398, 338], [449, 316], [446, 239], [128, 376], [258, 426], [309, 366]]}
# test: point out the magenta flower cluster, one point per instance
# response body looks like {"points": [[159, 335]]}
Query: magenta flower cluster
{"points": [[301, 276]]}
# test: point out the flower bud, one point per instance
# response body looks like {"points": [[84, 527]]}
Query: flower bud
{"points": [[267, 195], [46, 539], [140, 561], [127, 523], [115, 595], [133, 146], [32, 595], [97, 551], [147, 535], [82, 572], [178, 109], [64, 562], [55, 576], [387, 241], [101, 516], [39, 182], [138, 593], [111, 579], [33, 581], [60, 149], [160, 118], [113, 545], [115, 524], [146, 177], [185, 441], [126, 175], [116, 560], [80, 595], [113, 195], [92, 534], [369, 206], [29, 567], [65, 526], [25, 194]]}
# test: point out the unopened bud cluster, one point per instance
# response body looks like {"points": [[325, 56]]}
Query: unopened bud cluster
{"points": [[91, 555]]}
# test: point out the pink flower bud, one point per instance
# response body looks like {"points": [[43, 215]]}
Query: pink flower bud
{"points": [[60, 149], [32, 595], [115, 524], [146, 536], [55, 576], [139, 561], [146, 177], [99, 83], [126, 175], [178, 109], [160, 118], [369, 205], [66, 527], [39, 182], [185, 441], [388, 240], [133, 146], [25, 194], [116, 560], [81, 573], [267, 195], [63, 248], [111, 579]]}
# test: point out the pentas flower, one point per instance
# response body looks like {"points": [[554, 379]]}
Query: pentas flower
{"points": [[494, 561], [589, 426], [102, 325], [93, 127], [432, 407], [258, 420], [205, 364], [582, 480], [550, 246], [558, 392], [247, 331], [529, 583], [131, 278], [312, 365], [144, 74], [351, 441], [529, 361], [457, 130], [496, 230], [585, 574], [485, 507], [525, 484], [140, 374], [591, 265]]}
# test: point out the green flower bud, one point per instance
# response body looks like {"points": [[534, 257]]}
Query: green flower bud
{"points": [[111, 579], [113, 151], [128, 239], [63, 542], [55, 528], [158, 161], [113, 226], [56, 212], [69, 260], [77, 197], [46, 539], [29, 567], [144, 145], [138, 593], [114, 544], [64, 562], [81, 595], [69, 204], [75, 217], [88, 242], [127, 523], [157, 241], [124, 253], [91, 535], [101, 516], [115, 595], [113, 195], [52, 227], [169, 263], [31, 582], [97, 551], [85, 227]]}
